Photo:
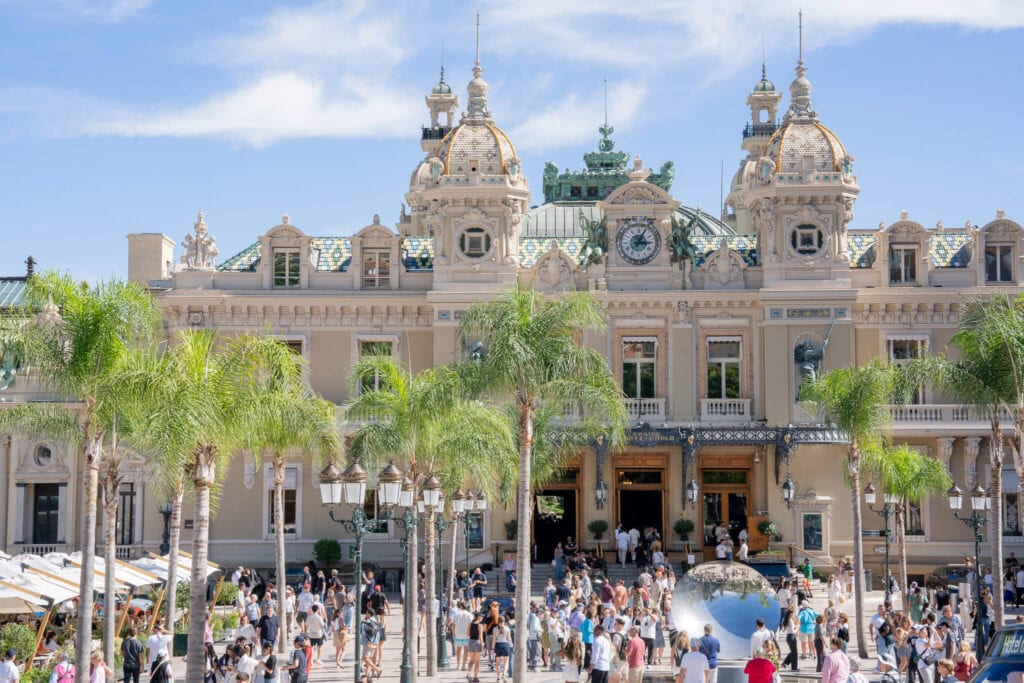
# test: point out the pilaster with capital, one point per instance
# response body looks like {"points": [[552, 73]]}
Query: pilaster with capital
{"points": [[972, 445]]}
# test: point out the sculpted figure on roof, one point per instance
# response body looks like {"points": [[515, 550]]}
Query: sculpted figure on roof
{"points": [[595, 246]]}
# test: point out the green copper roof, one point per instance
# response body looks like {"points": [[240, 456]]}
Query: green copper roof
{"points": [[606, 170], [562, 219]]}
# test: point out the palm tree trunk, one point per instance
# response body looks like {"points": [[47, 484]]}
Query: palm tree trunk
{"points": [[90, 484], [412, 591], [451, 563], [110, 495], [171, 598], [996, 526], [525, 510], [203, 480], [901, 545], [282, 634], [429, 555], [858, 552]]}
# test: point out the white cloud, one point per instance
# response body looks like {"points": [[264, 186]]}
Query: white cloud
{"points": [[277, 107], [103, 11], [574, 119]]}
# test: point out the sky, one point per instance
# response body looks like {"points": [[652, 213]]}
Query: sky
{"points": [[122, 116]]}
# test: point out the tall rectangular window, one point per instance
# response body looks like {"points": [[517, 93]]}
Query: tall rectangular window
{"points": [[1011, 514], [913, 524], [639, 357], [723, 371], [813, 526], [376, 269], [289, 500], [45, 508], [374, 348], [902, 265], [998, 263], [126, 515], [286, 267], [901, 350]]}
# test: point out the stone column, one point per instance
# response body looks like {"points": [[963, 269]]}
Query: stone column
{"points": [[972, 445], [944, 450]]}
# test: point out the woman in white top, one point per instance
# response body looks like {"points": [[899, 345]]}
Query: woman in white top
{"points": [[572, 659], [679, 649], [502, 647]]}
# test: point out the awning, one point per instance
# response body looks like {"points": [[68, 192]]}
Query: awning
{"points": [[11, 604], [159, 566]]}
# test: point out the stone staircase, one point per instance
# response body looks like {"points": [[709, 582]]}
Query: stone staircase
{"points": [[544, 571]]}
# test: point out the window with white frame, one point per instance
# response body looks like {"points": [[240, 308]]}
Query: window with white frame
{"points": [[376, 269], [1011, 512], [723, 367], [904, 349], [373, 347], [290, 500], [286, 267], [639, 363], [998, 263], [902, 265]]}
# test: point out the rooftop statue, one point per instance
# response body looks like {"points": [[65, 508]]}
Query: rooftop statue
{"points": [[680, 239], [595, 245], [200, 249], [808, 357]]}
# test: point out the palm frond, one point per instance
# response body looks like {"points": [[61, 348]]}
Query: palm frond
{"points": [[49, 420]]}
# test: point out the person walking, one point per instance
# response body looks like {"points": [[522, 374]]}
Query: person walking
{"points": [[636, 653], [836, 668], [600, 656], [759, 669], [806, 616], [572, 659], [693, 668], [131, 654], [710, 646], [502, 636], [476, 647], [791, 628]]}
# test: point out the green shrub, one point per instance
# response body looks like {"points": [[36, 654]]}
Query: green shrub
{"points": [[217, 627], [682, 527], [768, 528], [21, 639], [35, 675], [598, 527], [511, 528], [327, 551], [232, 620], [228, 594]]}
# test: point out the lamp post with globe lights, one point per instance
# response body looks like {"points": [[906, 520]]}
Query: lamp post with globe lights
{"points": [[408, 521], [981, 502], [349, 488], [433, 502], [889, 501], [165, 509]]}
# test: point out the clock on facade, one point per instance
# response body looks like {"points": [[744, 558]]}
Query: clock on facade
{"points": [[638, 241]]}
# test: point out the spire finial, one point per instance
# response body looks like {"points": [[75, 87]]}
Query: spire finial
{"points": [[478, 39], [764, 66], [800, 24]]}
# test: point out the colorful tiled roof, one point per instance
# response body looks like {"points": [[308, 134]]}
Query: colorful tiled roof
{"points": [[335, 253], [244, 261], [11, 291], [745, 245], [861, 249], [419, 253], [950, 249], [532, 248]]}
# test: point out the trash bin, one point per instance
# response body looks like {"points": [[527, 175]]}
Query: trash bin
{"points": [[869, 578], [954, 598], [179, 645]]}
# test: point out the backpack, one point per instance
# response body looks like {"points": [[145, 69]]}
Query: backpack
{"points": [[621, 650]]}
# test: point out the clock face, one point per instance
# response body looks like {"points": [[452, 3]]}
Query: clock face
{"points": [[638, 241]]}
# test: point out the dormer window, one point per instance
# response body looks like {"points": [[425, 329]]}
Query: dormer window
{"points": [[376, 269], [998, 263], [902, 265], [286, 267]]}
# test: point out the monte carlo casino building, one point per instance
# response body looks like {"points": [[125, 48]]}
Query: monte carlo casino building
{"points": [[710, 350]]}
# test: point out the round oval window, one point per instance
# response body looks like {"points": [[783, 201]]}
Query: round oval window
{"points": [[806, 239], [43, 455], [474, 242]]}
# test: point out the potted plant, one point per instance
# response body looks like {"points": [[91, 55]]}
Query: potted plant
{"points": [[769, 529], [327, 551], [683, 527], [511, 528], [597, 527]]}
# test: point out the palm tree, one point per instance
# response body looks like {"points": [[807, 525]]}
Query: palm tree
{"points": [[855, 399], [282, 415], [424, 420], [194, 388], [910, 477], [73, 336], [533, 357]]}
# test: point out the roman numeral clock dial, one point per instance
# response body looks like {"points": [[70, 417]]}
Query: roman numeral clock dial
{"points": [[638, 241]]}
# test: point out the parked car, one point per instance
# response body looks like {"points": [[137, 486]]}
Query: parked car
{"points": [[1004, 660], [504, 601]]}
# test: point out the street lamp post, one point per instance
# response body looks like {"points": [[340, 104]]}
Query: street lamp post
{"points": [[889, 501], [440, 523], [166, 509], [408, 522], [980, 503], [350, 487]]}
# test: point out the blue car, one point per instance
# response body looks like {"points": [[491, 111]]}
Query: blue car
{"points": [[1004, 660]]}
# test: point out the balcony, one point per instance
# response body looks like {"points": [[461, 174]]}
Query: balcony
{"points": [[759, 130], [646, 409], [38, 548], [941, 413], [126, 553], [437, 133], [718, 410]]}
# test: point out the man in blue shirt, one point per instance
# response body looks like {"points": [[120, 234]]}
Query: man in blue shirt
{"points": [[709, 647]]}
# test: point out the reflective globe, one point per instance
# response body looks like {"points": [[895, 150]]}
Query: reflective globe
{"points": [[731, 597]]}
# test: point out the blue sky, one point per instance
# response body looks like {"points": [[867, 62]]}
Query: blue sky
{"points": [[121, 116]]}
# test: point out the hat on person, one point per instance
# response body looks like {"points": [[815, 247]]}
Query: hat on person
{"points": [[162, 652], [562, 602], [621, 619]]}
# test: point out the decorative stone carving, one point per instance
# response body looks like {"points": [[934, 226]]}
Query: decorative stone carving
{"points": [[510, 232], [972, 445], [555, 267], [201, 248], [683, 312], [595, 246], [1001, 230], [945, 449], [765, 170], [843, 249], [724, 266], [436, 168], [764, 217], [636, 195]]}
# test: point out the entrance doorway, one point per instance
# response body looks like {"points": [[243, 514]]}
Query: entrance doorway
{"points": [[640, 493], [724, 507], [554, 520], [640, 509]]}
